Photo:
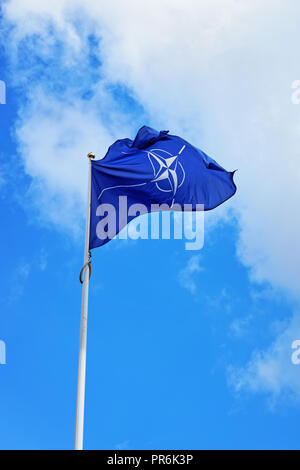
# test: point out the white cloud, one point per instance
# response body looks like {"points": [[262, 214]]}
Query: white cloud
{"points": [[219, 73], [54, 139], [19, 279], [272, 371], [23, 271], [186, 275]]}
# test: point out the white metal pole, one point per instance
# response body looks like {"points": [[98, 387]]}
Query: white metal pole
{"points": [[78, 445]]}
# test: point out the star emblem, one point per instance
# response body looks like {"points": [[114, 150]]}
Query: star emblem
{"points": [[168, 171]]}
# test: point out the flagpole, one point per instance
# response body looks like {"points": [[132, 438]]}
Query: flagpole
{"points": [[79, 422]]}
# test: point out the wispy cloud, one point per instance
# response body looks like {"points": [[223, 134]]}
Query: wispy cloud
{"points": [[186, 276], [19, 279], [22, 272], [42, 260], [2, 179], [272, 372]]}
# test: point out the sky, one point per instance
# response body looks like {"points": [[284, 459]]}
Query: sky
{"points": [[186, 349]]}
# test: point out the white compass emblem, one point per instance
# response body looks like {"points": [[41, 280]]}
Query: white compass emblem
{"points": [[169, 174]]}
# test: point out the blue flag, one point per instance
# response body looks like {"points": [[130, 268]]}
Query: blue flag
{"points": [[157, 171]]}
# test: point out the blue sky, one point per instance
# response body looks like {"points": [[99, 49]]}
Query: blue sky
{"points": [[185, 349]]}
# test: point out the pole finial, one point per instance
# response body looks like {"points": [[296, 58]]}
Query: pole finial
{"points": [[91, 156]]}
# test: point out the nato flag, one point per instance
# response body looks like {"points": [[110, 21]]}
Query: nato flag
{"points": [[155, 169]]}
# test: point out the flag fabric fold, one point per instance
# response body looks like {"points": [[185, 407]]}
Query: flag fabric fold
{"points": [[156, 168]]}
